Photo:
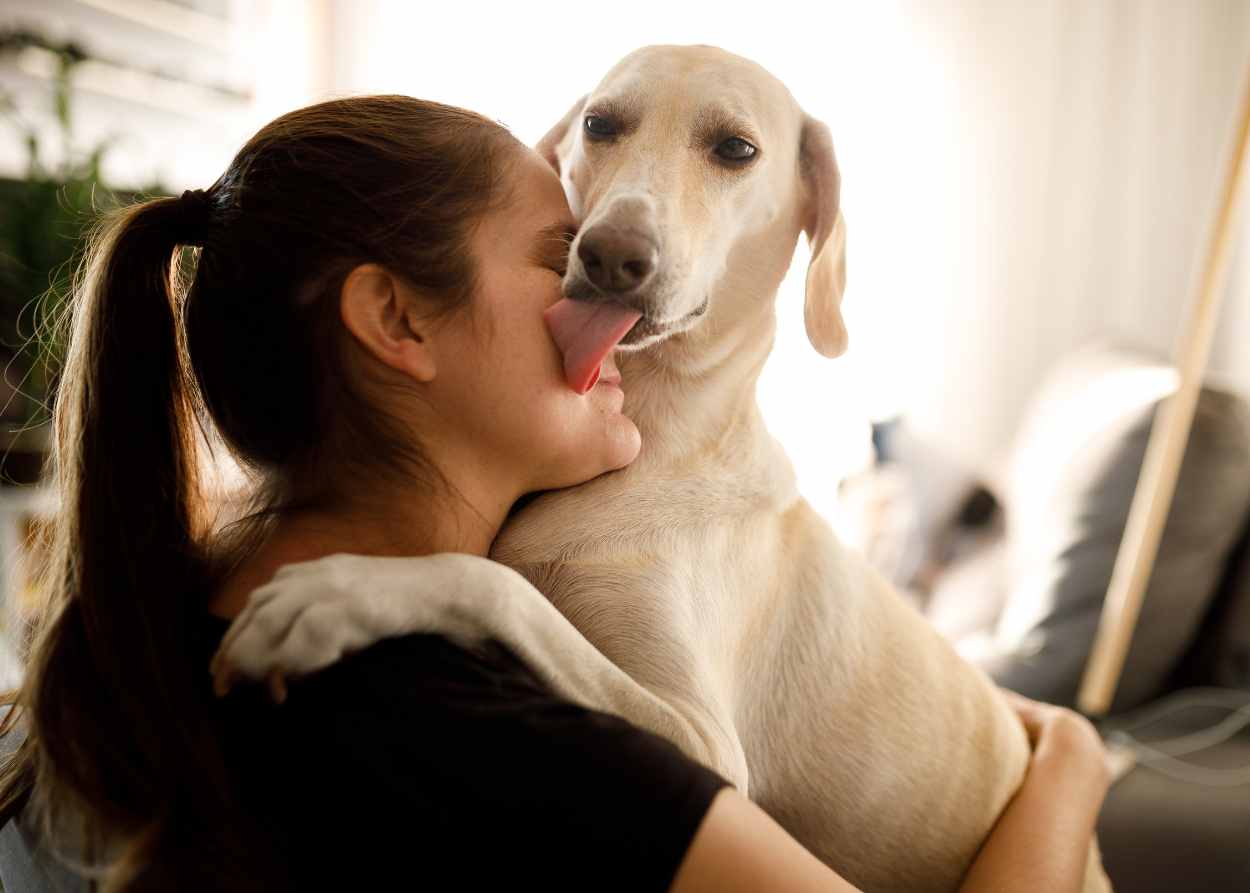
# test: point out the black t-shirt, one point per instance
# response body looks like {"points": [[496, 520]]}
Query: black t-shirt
{"points": [[415, 764]]}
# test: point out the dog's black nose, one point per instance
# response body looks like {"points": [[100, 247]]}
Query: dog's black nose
{"points": [[617, 260]]}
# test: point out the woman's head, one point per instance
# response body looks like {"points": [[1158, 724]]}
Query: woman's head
{"points": [[486, 388], [365, 307], [367, 304]]}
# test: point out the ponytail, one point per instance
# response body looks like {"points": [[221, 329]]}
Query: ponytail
{"points": [[113, 707]]}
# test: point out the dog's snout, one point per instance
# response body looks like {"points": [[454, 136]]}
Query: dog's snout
{"points": [[617, 260]]}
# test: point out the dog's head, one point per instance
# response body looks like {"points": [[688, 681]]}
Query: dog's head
{"points": [[688, 167]]}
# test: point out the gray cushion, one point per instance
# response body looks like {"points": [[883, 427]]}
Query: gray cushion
{"points": [[1074, 473], [1161, 834], [1232, 653], [1222, 654], [26, 866]]}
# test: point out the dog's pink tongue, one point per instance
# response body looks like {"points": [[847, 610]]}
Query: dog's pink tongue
{"points": [[586, 334]]}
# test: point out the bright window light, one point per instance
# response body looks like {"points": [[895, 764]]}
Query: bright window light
{"points": [[860, 67]]}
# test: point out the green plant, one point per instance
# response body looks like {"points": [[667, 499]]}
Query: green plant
{"points": [[43, 218]]}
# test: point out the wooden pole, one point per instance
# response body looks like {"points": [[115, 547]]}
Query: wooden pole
{"points": [[1165, 449]]}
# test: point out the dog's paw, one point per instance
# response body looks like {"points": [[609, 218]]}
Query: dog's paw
{"points": [[314, 613]]}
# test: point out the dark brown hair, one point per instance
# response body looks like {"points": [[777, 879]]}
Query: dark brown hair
{"points": [[115, 714]]}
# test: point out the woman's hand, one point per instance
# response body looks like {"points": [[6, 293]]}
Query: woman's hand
{"points": [[1044, 838], [1062, 738], [1042, 841]]}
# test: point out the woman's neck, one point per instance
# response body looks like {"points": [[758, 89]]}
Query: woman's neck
{"points": [[396, 527]]}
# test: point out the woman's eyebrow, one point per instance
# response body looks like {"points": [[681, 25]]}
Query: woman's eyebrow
{"points": [[553, 241]]}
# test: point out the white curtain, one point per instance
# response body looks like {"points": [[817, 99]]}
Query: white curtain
{"points": [[1087, 145]]}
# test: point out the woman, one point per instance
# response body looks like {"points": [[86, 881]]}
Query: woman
{"points": [[363, 329]]}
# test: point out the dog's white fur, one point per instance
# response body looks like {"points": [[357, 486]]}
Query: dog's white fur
{"points": [[708, 602]]}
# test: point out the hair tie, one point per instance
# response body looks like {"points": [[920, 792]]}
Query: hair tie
{"points": [[194, 208]]}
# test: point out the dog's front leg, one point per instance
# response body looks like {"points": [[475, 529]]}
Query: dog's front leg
{"points": [[523, 619], [314, 613]]}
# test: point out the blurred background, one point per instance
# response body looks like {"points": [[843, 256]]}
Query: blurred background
{"points": [[1019, 177], [1029, 188]]}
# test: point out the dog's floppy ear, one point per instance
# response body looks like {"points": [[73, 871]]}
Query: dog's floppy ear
{"points": [[549, 147], [826, 233]]}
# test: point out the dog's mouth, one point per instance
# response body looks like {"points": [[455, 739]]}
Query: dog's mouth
{"points": [[648, 330], [587, 332]]}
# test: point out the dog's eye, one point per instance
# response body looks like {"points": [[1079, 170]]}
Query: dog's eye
{"points": [[735, 149], [597, 126]]}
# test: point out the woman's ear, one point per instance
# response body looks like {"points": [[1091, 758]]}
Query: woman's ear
{"points": [[382, 314]]}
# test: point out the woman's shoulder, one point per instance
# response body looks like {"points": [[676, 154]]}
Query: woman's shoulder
{"points": [[425, 669], [475, 747]]}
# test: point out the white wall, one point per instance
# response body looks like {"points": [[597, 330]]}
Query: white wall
{"points": [[1089, 143], [165, 128]]}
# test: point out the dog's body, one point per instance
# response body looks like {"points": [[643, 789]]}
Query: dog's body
{"points": [[746, 632], [861, 732]]}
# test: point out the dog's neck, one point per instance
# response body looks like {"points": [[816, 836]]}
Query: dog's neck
{"points": [[687, 407], [689, 394]]}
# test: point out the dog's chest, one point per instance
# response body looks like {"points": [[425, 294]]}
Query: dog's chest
{"points": [[655, 510], [654, 574]]}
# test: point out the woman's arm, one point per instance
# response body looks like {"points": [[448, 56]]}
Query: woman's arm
{"points": [[314, 612], [1041, 841], [740, 849]]}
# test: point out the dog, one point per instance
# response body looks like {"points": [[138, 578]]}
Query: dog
{"points": [[695, 592]]}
